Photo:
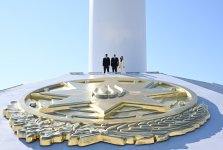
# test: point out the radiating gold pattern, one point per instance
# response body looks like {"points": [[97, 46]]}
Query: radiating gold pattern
{"points": [[114, 110]]}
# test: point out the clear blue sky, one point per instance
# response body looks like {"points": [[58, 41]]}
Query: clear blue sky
{"points": [[41, 39]]}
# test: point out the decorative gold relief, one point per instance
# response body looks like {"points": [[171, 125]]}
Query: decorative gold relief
{"points": [[114, 110]]}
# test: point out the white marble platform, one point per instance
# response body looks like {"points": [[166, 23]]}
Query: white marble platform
{"points": [[209, 136]]}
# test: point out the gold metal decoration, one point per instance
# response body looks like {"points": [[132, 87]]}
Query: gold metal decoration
{"points": [[114, 110]]}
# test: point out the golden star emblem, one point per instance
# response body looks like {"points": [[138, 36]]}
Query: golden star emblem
{"points": [[105, 97]]}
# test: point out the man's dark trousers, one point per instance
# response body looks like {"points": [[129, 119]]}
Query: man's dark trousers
{"points": [[114, 69], [106, 68]]}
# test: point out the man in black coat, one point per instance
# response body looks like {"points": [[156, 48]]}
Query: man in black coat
{"points": [[114, 63], [106, 63]]}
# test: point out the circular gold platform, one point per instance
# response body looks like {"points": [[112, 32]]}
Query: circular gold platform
{"points": [[114, 110]]}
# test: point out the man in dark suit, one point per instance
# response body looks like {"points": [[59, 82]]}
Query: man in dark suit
{"points": [[114, 63], [106, 63]]}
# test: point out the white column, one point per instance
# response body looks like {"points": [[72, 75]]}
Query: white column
{"points": [[118, 27]]}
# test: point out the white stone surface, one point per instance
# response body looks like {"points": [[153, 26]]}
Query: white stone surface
{"points": [[209, 136], [117, 27]]}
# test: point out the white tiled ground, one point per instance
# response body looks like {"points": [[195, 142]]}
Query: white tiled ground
{"points": [[209, 136]]}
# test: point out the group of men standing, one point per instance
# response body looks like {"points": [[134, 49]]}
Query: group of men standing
{"points": [[114, 63]]}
